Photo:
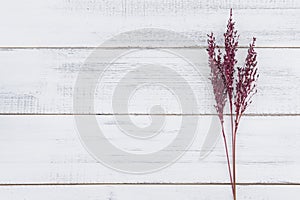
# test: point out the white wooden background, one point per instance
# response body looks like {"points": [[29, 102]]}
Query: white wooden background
{"points": [[43, 43]]}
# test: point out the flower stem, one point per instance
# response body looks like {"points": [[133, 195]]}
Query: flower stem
{"points": [[237, 120], [231, 119], [227, 156], [234, 165], [233, 150]]}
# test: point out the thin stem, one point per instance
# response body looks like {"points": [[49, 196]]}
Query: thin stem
{"points": [[231, 119], [237, 119], [234, 168], [227, 157], [233, 151]]}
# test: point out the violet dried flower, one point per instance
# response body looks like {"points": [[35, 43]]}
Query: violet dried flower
{"points": [[217, 76], [218, 81], [246, 82], [231, 43], [239, 90]]}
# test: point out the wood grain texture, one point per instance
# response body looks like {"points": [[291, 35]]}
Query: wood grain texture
{"points": [[147, 192], [43, 45], [41, 81], [88, 23], [165, 7], [47, 149]]}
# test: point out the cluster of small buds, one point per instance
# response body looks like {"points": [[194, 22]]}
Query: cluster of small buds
{"points": [[240, 89], [231, 43], [246, 81], [217, 76]]}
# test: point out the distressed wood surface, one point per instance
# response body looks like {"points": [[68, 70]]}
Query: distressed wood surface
{"points": [[43, 44], [180, 192], [168, 6], [62, 23], [41, 81], [47, 150]]}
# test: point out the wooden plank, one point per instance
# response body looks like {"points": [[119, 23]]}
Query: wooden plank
{"points": [[62, 23], [175, 7], [42, 81], [124, 192], [47, 150]]}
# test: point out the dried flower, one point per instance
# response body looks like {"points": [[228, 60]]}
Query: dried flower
{"points": [[218, 81], [217, 76], [239, 90], [231, 43], [246, 82]]}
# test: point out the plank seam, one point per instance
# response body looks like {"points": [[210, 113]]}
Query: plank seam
{"points": [[148, 114], [138, 47], [152, 184]]}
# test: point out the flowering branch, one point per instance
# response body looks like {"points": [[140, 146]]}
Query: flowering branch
{"points": [[218, 81], [246, 82], [231, 43], [239, 88]]}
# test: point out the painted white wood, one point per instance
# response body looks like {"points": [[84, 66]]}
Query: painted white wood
{"points": [[167, 6], [121, 192], [43, 44], [81, 23], [47, 149], [42, 80]]}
